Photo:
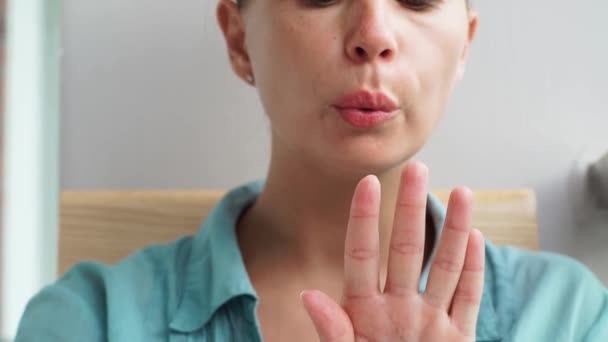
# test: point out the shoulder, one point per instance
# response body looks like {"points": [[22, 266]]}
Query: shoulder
{"points": [[525, 269], [520, 263], [90, 297], [542, 293]]}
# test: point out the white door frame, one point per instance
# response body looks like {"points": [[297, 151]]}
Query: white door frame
{"points": [[31, 155]]}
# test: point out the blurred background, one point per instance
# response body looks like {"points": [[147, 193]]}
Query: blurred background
{"points": [[139, 94]]}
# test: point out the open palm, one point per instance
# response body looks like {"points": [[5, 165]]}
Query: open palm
{"points": [[448, 308]]}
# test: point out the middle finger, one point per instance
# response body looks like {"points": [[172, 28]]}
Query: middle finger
{"points": [[407, 239]]}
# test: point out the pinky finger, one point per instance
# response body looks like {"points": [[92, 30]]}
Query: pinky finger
{"points": [[467, 297], [330, 320]]}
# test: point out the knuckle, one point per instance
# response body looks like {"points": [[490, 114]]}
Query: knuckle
{"points": [[458, 228], [467, 296], [362, 253], [473, 268], [433, 300], [412, 203], [448, 265], [399, 290], [407, 248]]}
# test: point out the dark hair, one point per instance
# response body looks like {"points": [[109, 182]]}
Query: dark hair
{"points": [[241, 2]]}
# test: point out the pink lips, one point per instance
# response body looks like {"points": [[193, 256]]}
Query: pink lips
{"points": [[364, 109]]}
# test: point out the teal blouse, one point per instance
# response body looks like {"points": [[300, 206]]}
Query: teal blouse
{"points": [[197, 289]]}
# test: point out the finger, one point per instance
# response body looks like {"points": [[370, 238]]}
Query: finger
{"points": [[407, 240], [362, 247], [449, 259], [330, 321], [467, 298]]}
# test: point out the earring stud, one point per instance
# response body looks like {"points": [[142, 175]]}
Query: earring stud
{"points": [[249, 78]]}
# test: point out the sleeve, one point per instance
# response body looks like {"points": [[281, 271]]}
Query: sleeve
{"points": [[586, 298], [69, 310], [599, 329], [551, 297]]}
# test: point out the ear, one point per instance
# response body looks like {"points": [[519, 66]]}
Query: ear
{"points": [[231, 23], [473, 22]]}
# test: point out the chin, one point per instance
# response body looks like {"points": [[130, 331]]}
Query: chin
{"points": [[358, 164]]}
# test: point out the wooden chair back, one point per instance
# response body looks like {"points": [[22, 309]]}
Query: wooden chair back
{"points": [[107, 226]]}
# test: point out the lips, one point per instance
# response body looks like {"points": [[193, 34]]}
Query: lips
{"points": [[366, 101], [364, 109]]}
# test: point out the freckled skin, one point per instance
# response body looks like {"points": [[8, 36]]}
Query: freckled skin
{"points": [[303, 59]]}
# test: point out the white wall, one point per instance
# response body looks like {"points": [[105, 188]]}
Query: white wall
{"points": [[150, 102]]}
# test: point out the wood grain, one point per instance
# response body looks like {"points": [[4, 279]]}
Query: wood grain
{"points": [[107, 226]]}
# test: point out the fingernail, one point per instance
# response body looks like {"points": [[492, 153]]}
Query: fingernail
{"points": [[420, 170]]}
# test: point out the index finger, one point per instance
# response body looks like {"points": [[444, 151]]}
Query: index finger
{"points": [[361, 250]]}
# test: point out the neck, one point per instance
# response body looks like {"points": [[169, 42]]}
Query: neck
{"points": [[300, 217]]}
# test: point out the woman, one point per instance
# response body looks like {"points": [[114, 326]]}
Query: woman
{"points": [[352, 90]]}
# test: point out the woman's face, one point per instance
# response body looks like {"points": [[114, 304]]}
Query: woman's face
{"points": [[305, 55]]}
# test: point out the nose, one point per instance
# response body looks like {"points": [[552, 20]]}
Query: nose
{"points": [[370, 38]]}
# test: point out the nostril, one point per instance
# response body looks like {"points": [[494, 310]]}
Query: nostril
{"points": [[360, 51], [362, 54], [386, 53]]}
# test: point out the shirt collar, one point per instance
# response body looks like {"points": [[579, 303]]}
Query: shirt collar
{"points": [[216, 273]]}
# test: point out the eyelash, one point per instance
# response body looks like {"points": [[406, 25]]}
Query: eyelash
{"points": [[416, 5], [420, 5]]}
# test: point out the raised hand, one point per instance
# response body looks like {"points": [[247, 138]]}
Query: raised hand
{"points": [[446, 311]]}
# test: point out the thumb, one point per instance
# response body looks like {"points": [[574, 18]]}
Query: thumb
{"points": [[331, 322]]}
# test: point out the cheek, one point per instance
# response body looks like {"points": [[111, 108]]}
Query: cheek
{"points": [[308, 47], [293, 64], [438, 67], [272, 59]]}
